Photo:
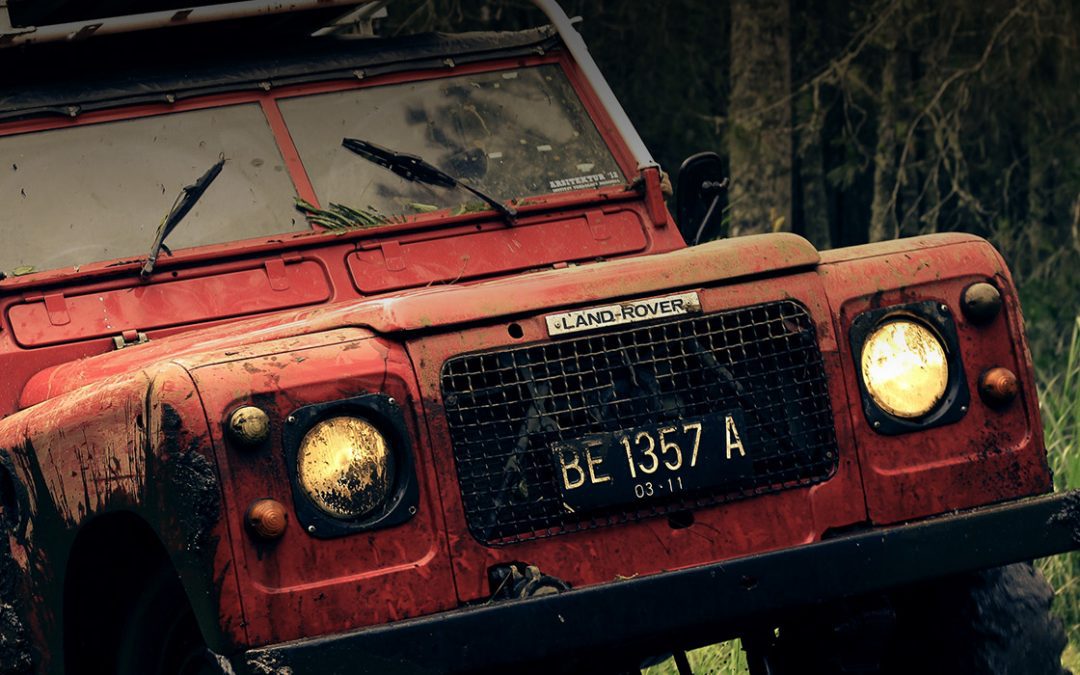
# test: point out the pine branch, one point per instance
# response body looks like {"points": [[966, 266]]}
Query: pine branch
{"points": [[339, 217]]}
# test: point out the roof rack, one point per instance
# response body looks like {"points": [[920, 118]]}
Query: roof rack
{"points": [[14, 35]]}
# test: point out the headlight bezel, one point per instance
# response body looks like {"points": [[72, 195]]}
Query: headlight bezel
{"points": [[386, 415], [938, 319]]}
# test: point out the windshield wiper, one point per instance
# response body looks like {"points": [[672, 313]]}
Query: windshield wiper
{"points": [[416, 170], [185, 201]]}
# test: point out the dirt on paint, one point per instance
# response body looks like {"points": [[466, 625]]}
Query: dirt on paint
{"points": [[265, 663], [193, 484], [1068, 516], [14, 646]]}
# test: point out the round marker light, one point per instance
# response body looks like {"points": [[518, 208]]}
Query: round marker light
{"points": [[904, 368], [981, 302], [249, 426], [998, 387], [267, 518], [346, 467]]}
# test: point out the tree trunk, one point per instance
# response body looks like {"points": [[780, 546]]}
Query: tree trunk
{"points": [[760, 133], [811, 175], [883, 223]]}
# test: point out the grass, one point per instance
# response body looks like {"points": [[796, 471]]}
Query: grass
{"points": [[1059, 400], [726, 658]]}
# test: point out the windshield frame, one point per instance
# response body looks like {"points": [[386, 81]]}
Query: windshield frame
{"points": [[267, 98]]}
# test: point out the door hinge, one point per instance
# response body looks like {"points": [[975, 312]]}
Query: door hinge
{"points": [[130, 338]]}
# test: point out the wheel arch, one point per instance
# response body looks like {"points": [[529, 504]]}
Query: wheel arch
{"points": [[112, 560]]}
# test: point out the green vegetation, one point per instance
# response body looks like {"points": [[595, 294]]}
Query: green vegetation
{"points": [[726, 658], [341, 217], [1059, 398]]}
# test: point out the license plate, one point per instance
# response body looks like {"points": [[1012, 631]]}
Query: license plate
{"points": [[653, 462]]}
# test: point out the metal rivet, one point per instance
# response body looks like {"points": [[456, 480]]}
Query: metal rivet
{"points": [[963, 408], [412, 510], [877, 425], [311, 529], [944, 309], [291, 419], [391, 401]]}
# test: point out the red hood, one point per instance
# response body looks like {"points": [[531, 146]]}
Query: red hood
{"points": [[451, 305]]}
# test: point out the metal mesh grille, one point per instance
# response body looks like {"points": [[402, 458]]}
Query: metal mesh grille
{"points": [[506, 408]]}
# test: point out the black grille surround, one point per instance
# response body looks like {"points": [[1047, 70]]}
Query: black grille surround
{"points": [[506, 408]]}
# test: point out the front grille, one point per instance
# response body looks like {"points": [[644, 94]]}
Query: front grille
{"points": [[505, 409]]}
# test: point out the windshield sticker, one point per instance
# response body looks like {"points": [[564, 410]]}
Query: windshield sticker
{"points": [[593, 180]]}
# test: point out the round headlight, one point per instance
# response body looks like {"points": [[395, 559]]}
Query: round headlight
{"points": [[346, 467], [904, 368]]}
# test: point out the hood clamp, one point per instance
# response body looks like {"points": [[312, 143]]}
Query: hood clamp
{"points": [[129, 338]]}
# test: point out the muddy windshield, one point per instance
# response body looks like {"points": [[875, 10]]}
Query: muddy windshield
{"points": [[512, 134], [81, 194], [92, 192]]}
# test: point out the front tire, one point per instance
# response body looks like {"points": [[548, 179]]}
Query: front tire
{"points": [[161, 635], [993, 622]]}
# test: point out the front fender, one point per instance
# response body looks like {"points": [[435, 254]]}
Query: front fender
{"points": [[136, 443]]}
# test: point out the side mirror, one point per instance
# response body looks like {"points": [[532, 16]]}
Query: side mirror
{"points": [[697, 200]]}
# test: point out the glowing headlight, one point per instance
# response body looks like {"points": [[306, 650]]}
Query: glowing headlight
{"points": [[345, 466], [904, 367]]}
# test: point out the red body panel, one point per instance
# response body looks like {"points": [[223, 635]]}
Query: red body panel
{"points": [[55, 318], [990, 454], [305, 586], [300, 584], [769, 522], [390, 265], [313, 317], [130, 443]]}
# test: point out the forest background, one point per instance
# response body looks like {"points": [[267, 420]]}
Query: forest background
{"points": [[851, 121]]}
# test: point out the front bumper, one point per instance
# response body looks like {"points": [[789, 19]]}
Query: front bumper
{"points": [[638, 617]]}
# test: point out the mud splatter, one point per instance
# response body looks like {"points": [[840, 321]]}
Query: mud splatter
{"points": [[14, 646], [193, 485], [266, 663], [1068, 516]]}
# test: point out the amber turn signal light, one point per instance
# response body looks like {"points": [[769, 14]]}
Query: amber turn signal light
{"points": [[998, 387], [249, 426], [267, 518]]}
